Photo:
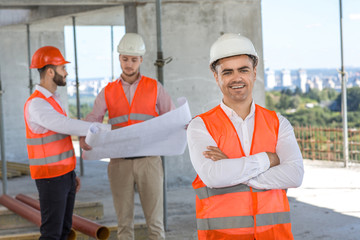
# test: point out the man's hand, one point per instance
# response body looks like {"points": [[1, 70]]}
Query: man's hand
{"points": [[84, 145], [78, 184], [214, 153], [273, 158], [114, 127]]}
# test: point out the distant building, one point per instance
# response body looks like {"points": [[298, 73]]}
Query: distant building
{"points": [[357, 82], [318, 83], [90, 87], [286, 78], [306, 79], [270, 79], [329, 83], [309, 85], [302, 80], [71, 89]]}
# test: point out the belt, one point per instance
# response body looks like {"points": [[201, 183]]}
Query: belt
{"points": [[130, 158]]}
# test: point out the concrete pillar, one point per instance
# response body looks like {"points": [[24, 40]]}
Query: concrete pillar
{"points": [[130, 18], [14, 78], [189, 28]]}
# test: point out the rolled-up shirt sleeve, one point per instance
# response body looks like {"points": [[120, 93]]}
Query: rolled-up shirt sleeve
{"points": [[164, 102], [222, 173], [289, 173]]}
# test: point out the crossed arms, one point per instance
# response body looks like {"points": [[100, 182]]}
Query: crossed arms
{"points": [[280, 170]]}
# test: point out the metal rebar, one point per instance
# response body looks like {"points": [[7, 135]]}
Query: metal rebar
{"points": [[160, 77], [2, 142], [343, 95], [77, 93], [112, 51], [31, 85]]}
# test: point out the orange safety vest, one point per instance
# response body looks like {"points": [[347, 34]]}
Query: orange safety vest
{"points": [[50, 154], [142, 107], [242, 212]]}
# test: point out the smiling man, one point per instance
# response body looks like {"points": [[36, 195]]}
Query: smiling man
{"points": [[245, 155]]}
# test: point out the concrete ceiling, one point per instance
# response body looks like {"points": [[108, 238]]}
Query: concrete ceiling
{"points": [[15, 12], [37, 3], [49, 3]]}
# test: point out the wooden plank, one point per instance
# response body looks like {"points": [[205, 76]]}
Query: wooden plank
{"points": [[14, 169], [11, 173], [22, 167]]}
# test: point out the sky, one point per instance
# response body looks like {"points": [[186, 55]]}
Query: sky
{"points": [[306, 33], [296, 34], [93, 50]]}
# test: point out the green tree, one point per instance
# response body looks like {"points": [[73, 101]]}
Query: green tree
{"points": [[315, 117], [287, 102], [313, 94], [353, 99], [269, 101], [85, 109]]}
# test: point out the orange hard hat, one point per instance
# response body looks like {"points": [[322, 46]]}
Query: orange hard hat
{"points": [[47, 55]]}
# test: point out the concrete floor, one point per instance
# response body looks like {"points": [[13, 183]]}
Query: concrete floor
{"points": [[326, 206]]}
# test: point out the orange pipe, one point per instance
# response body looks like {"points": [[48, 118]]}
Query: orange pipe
{"points": [[21, 209], [25, 211], [80, 224]]}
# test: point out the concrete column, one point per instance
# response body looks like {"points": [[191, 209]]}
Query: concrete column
{"points": [[130, 18], [14, 78]]}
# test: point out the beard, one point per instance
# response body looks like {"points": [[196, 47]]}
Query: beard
{"points": [[130, 74], [59, 80]]}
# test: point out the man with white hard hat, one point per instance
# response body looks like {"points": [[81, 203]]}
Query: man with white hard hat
{"points": [[245, 155], [131, 99]]}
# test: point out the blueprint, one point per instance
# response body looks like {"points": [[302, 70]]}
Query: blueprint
{"points": [[161, 136]]}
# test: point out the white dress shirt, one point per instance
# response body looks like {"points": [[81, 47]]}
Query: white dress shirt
{"points": [[252, 170], [42, 117]]}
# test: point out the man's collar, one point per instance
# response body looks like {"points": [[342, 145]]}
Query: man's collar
{"points": [[44, 91], [230, 112], [120, 79]]}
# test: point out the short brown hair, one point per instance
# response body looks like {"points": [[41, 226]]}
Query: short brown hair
{"points": [[253, 58], [43, 69]]}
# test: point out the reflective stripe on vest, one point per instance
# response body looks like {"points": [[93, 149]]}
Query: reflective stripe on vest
{"points": [[142, 107], [117, 120], [52, 159], [133, 116], [243, 221], [45, 140], [205, 192], [140, 117]]}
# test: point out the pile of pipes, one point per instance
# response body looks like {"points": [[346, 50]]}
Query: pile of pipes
{"points": [[29, 208]]}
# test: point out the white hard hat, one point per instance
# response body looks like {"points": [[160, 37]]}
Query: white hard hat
{"points": [[231, 44], [131, 44]]}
